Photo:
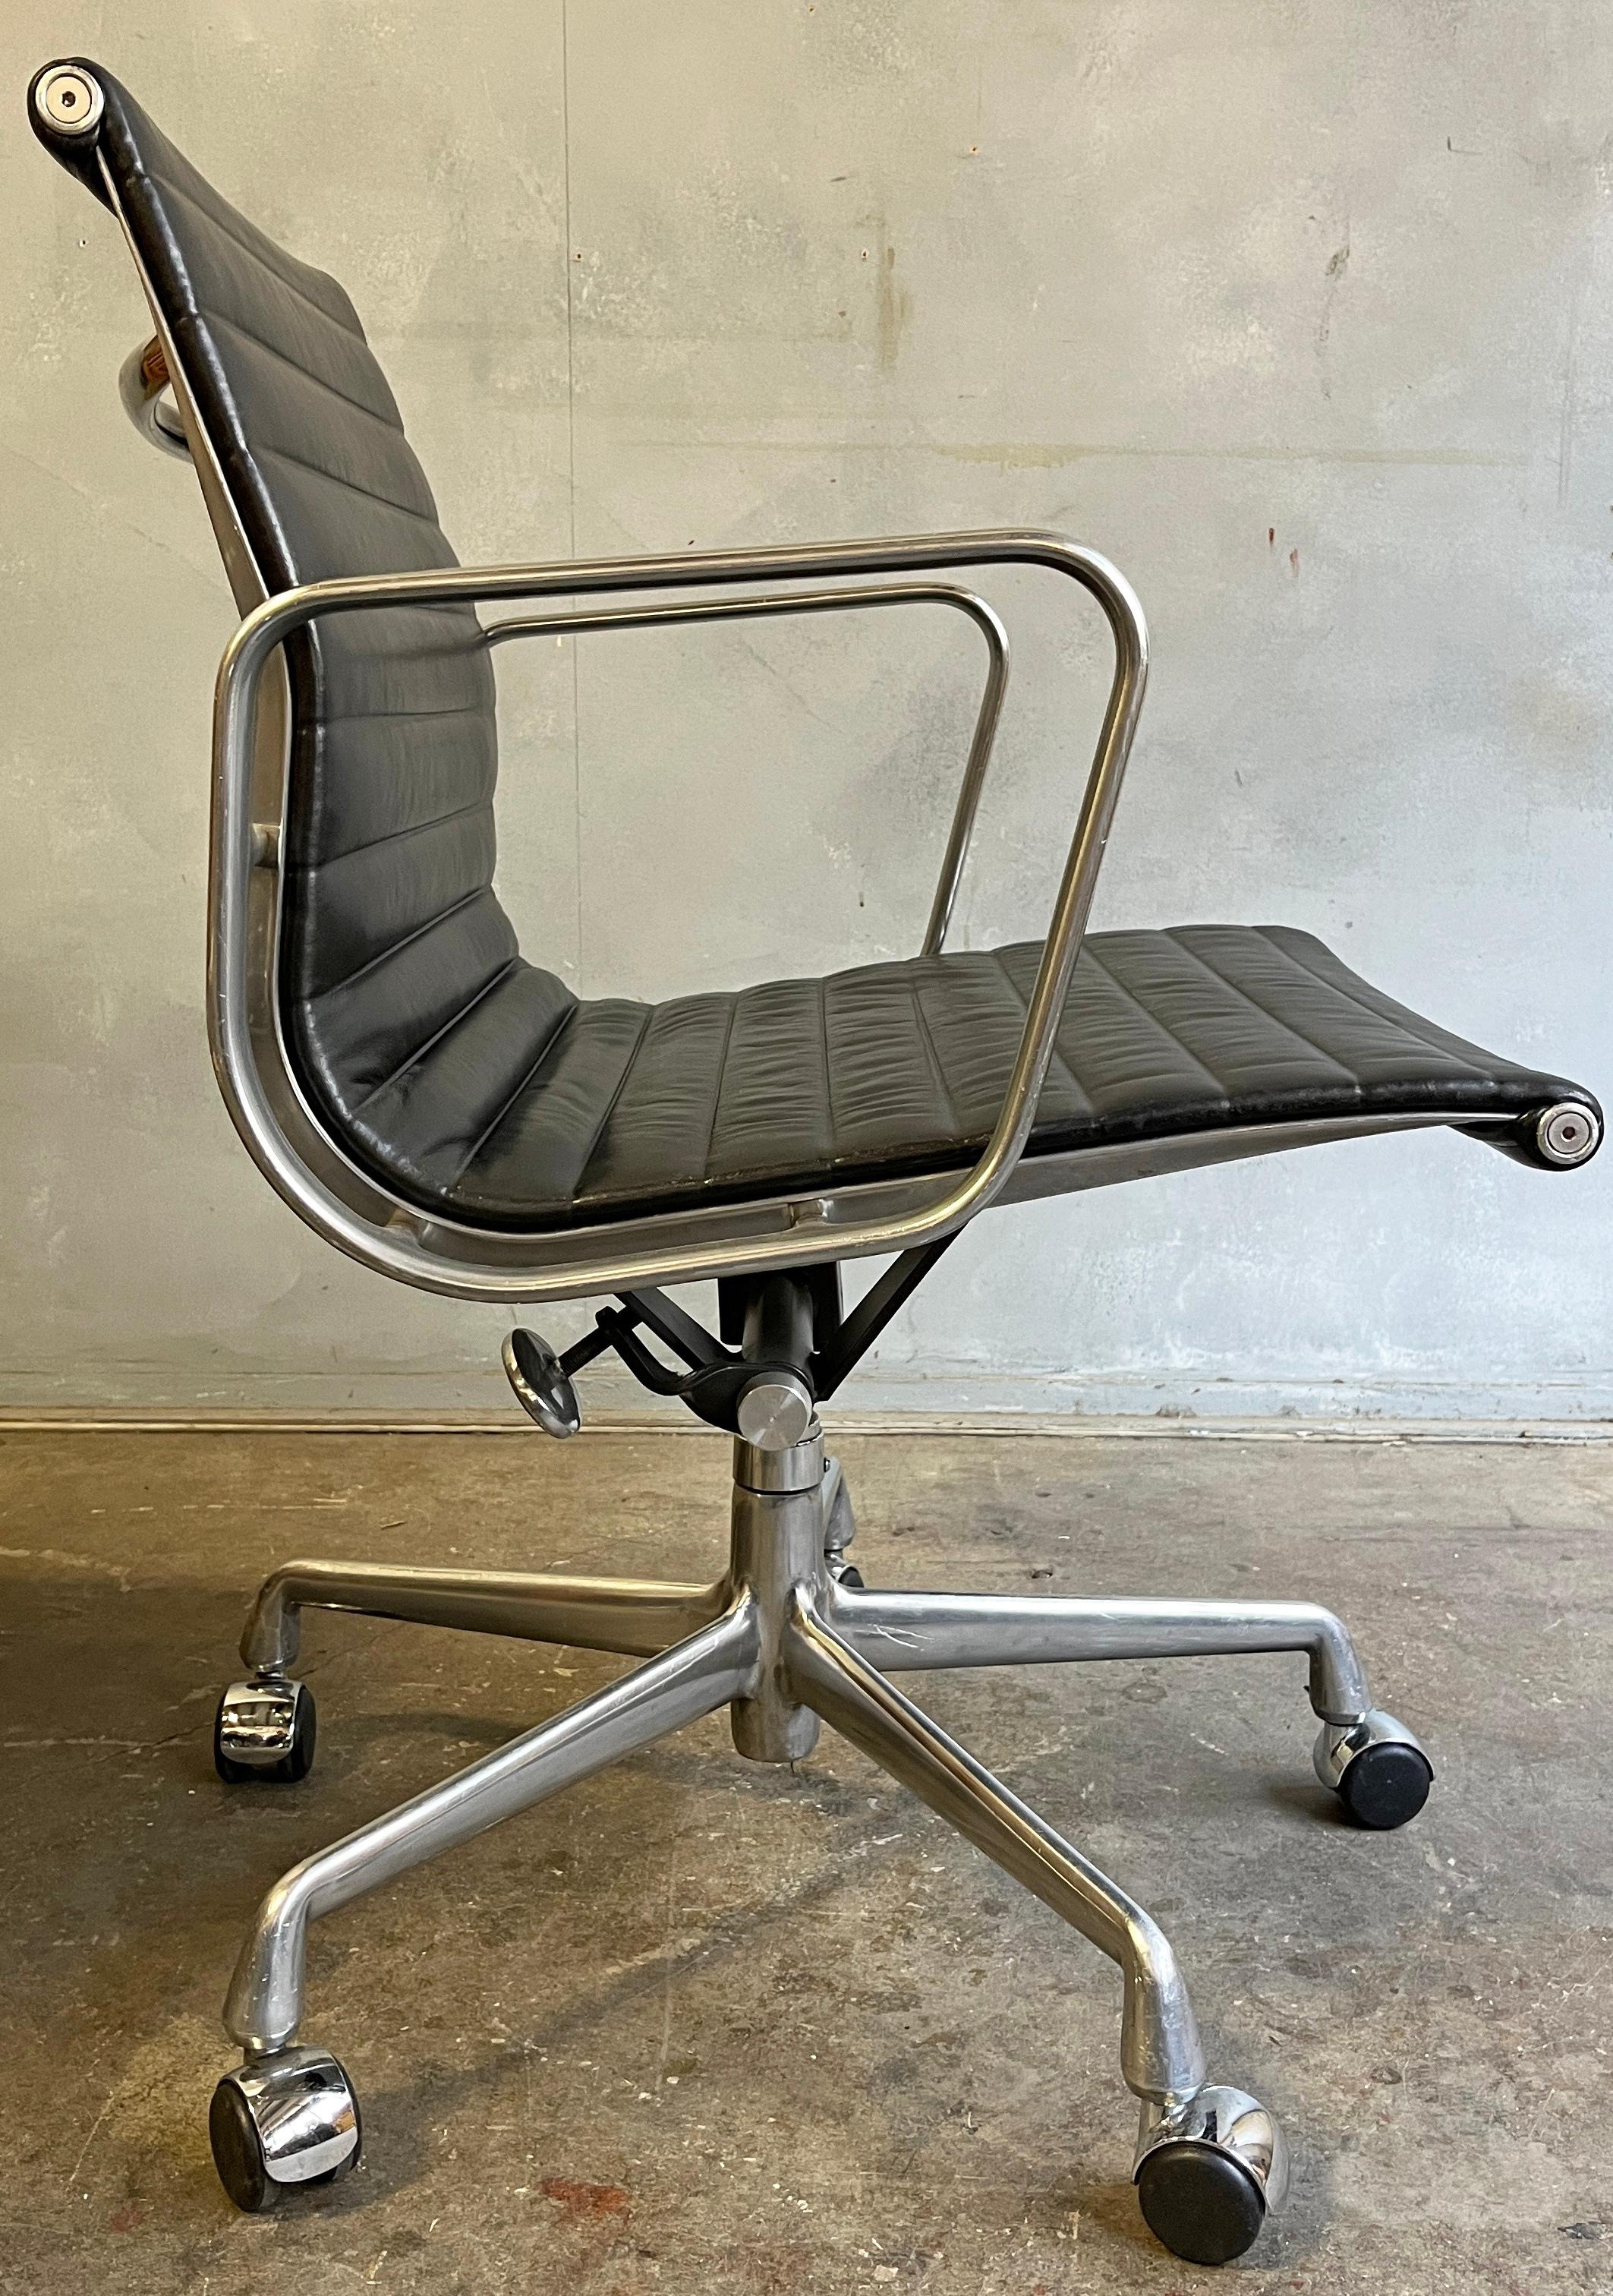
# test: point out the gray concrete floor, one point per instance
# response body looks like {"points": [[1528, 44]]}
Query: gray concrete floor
{"points": [[704, 2026]]}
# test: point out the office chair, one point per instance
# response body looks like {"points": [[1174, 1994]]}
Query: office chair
{"points": [[450, 1114]]}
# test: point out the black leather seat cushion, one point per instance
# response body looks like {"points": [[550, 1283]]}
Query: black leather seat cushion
{"points": [[471, 1080], [624, 1107]]}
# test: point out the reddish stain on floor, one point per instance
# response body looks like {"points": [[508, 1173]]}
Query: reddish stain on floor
{"points": [[585, 2203]]}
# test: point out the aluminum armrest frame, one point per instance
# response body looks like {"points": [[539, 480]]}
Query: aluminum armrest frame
{"points": [[382, 1230], [819, 602]]}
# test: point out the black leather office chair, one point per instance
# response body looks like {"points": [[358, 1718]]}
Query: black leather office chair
{"points": [[452, 1115]]}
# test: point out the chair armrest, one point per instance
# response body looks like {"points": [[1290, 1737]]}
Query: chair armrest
{"points": [[820, 602], [400, 1245]]}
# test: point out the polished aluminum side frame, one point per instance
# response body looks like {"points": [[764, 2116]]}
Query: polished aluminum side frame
{"points": [[386, 1233]]}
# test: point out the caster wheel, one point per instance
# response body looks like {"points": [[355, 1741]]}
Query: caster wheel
{"points": [[844, 1574], [1386, 1786], [283, 2122], [1376, 1768], [265, 1730], [1209, 2174], [1200, 2203]]}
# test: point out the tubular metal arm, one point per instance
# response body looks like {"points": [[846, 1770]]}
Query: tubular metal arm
{"points": [[637, 1617], [900, 1631], [147, 393], [821, 602], [408, 1244]]}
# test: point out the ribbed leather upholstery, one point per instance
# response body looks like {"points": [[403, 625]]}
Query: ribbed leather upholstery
{"points": [[472, 1081], [899, 1068], [392, 932]]}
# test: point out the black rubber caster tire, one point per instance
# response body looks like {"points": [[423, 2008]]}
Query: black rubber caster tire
{"points": [[1386, 1786], [848, 1575], [1200, 2203], [236, 2154], [291, 1768]]}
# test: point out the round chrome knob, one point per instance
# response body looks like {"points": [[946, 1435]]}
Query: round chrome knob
{"points": [[542, 1389], [69, 100], [775, 1412]]}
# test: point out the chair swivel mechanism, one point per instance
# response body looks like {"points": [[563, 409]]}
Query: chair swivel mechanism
{"points": [[452, 1115]]}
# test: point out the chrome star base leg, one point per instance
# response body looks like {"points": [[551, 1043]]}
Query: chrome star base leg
{"points": [[1374, 1763], [264, 2006], [788, 1639], [1161, 2058]]}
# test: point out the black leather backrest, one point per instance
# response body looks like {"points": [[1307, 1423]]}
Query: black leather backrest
{"points": [[392, 932]]}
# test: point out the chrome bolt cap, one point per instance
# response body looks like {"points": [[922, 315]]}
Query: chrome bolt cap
{"points": [[68, 101]]}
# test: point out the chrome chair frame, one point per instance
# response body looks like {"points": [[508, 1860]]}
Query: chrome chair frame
{"points": [[789, 1636], [387, 1232]]}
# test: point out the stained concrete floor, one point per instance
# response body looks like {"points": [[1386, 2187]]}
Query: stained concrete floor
{"points": [[703, 2027]]}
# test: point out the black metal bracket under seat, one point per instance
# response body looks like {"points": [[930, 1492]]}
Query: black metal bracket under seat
{"points": [[787, 1346]]}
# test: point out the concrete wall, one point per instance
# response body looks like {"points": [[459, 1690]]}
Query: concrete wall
{"points": [[1303, 314]]}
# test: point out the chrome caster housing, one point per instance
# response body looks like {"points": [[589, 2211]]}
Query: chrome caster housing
{"points": [[282, 2122], [1376, 1767], [1209, 2174], [264, 1729]]}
